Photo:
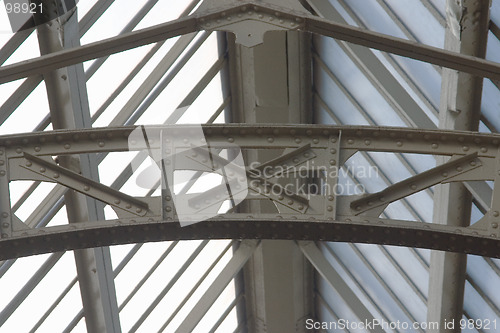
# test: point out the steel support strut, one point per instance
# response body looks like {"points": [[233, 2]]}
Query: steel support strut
{"points": [[67, 94], [276, 89], [466, 33]]}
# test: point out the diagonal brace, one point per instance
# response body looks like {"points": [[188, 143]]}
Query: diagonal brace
{"points": [[377, 202], [84, 185]]}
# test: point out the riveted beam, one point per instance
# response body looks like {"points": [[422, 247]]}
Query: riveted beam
{"points": [[69, 108], [470, 64], [479, 151], [36, 168], [466, 33]]}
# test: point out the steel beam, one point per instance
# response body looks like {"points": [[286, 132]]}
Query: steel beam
{"points": [[282, 138], [69, 108], [470, 64], [326, 270], [377, 72], [235, 264], [271, 83], [467, 33]]}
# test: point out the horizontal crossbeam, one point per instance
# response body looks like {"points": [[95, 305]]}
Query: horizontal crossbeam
{"points": [[346, 229]]}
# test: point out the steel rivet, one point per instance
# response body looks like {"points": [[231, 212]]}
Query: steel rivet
{"points": [[28, 163], [350, 141], [138, 210], [37, 149], [5, 214], [330, 197], [280, 197], [168, 208], [101, 144], [399, 143], [434, 146], [465, 148], [473, 163], [445, 174], [19, 150], [332, 162], [290, 202], [413, 187], [128, 206], [86, 188], [495, 213], [329, 208], [459, 168], [494, 225], [484, 149], [117, 201], [67, 146], [298, 140], [42, 170], [367, 142], [56, 175], [270, 139], [230, 139], [315, 140], [333, 151]]}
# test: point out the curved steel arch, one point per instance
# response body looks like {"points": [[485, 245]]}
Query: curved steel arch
{"points": [[349, 218]]}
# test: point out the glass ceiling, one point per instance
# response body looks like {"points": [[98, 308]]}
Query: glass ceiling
{"points": [[393, 281], [180, 81]]}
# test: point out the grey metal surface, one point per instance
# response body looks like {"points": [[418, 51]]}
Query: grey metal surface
{"points": [[352, 139], [459, 93], [320, 217], [306, 22]]}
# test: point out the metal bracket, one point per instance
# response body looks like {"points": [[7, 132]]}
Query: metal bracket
{"points": [[250, 20]]}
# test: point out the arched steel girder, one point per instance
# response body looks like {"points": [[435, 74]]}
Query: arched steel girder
{"points": [[353, 218]]}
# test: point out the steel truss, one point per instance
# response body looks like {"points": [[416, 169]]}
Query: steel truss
{"points": [[311, 216]]}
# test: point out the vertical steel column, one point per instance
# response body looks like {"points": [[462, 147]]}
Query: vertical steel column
{"points": [[271, 83], [460, 108], [67, 95]]}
